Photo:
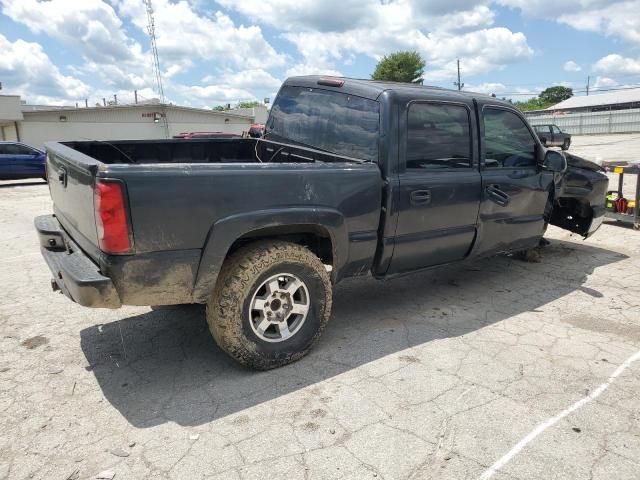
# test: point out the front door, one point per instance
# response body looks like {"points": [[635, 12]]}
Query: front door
{"points": [[514, 187], [439, 192]]}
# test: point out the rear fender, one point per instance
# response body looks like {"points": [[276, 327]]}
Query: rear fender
{"points": [[227, 230]]}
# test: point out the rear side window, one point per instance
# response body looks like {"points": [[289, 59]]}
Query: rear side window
{"points": [[333, 121], [508, 143], [438, 136], [13, 149]]}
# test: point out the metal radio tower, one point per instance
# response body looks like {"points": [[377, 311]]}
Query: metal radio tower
{"points": [[151, 28]]}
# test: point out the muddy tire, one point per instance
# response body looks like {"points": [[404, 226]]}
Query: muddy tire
{"points": [[271, 303]]}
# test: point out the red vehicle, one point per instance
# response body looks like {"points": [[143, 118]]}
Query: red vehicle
{"points": [[206, 135], [256, 130]]}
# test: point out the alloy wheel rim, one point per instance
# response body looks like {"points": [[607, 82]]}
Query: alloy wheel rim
{"points": [[279, 307]]}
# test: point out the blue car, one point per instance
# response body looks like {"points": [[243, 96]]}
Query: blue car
{"points": [[18, 160]]}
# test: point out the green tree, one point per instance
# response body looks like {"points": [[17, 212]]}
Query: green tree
{"points": [[220, 108], [553, 95], [400, 67], [534, 103], [251, 104]]}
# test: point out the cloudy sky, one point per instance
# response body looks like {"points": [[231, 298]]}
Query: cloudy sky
{"points": [[223, 51]]}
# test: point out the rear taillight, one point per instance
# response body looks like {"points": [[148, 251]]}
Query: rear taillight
{"points": [[112, 222]]}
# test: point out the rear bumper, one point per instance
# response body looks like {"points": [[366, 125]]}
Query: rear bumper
{"points": [[74, 273]]}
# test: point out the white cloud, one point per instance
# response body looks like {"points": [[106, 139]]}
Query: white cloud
{"points": [[604, 82], [212, 95], [617, 65], [27, 70], [572, 66], [441, 30], [311, 69], [256, 78], [617, 18], [91, 26], [480, 51], [305, 15], [185, 36]]}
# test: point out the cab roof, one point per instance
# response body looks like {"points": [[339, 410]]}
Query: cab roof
{"points": [[372, 89]]}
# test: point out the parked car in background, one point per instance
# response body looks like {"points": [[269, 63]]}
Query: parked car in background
{"points": [[552, 136], [256, 130], [206, 135], [351, 177], [18, 160]]}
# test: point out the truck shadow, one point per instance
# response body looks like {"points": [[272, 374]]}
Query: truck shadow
{"points": [[24, 183], [163, 366]]}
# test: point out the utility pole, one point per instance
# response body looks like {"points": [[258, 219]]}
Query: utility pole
{"points": [[588, 82], [135, 96], [151, 29], [86, 103], [459, 84], [115, 99], [104, 101]]}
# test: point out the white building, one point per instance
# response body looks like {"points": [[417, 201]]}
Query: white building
{"points": [[36, 125], [598, 102]]}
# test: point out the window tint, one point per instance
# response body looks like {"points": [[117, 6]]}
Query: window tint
{"points": [[333, 121], [438, 136], [13, 149], [556, 129], [507, 140]]}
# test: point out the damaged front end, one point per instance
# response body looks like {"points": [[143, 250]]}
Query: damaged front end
{"points": [[580, 196]]}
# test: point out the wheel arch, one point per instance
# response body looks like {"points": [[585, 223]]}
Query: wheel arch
{"points": [[322, 230]]}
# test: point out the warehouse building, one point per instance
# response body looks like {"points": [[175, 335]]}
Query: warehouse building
{"points": [[35, 125], [604, 113], [608, 101]]}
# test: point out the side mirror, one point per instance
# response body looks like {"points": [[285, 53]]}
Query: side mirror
{"points": [[554, 161]]}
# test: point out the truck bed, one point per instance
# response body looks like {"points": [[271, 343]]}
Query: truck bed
{"points": [[186, 209], [211, 150]]}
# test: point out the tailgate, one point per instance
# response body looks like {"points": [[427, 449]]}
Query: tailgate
{"points": [[71, 182]]}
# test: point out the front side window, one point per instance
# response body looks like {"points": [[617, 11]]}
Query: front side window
{"points": [[337, 122], [438, 136], [508, 142], [556, 129]]}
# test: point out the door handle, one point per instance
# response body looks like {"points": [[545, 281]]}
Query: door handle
{"points": [[498, 196], [420, 197]]}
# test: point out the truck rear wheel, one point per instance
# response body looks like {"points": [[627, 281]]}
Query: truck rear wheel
{"points": [[271, 303]]}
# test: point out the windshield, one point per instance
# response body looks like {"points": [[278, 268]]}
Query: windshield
{"points": [[332, 121]]}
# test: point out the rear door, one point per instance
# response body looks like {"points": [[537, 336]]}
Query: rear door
{"points": [[30, 160], [514, 187], [15, 160], [439, 185]]}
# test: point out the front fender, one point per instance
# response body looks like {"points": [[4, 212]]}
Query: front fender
{"points": [[226, 231]]}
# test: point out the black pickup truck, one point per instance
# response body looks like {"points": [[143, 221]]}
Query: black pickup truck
{"points": [[351, 177], [552, 136]]}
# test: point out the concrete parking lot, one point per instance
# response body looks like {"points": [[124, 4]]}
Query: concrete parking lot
{"points": [[491, 369]]}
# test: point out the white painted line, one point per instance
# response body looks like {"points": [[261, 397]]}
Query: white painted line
{"points": [[491, 471]]}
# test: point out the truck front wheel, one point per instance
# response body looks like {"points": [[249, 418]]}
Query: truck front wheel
{"points": [[271, 302]]}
